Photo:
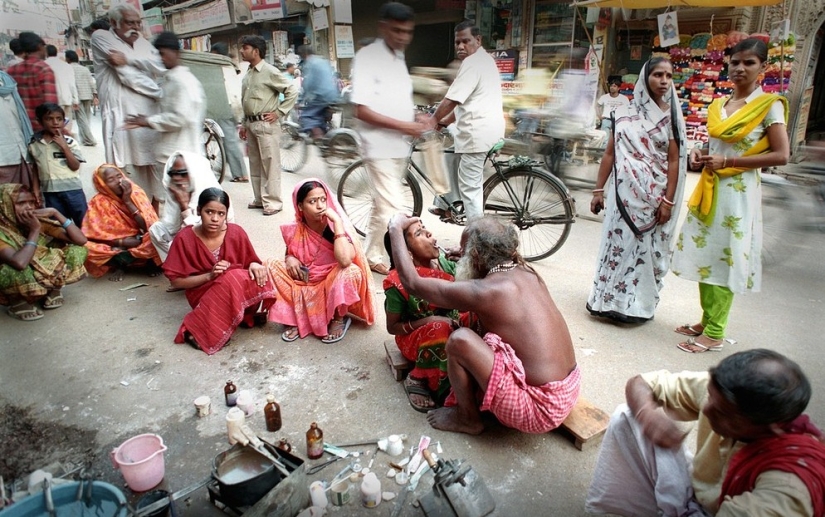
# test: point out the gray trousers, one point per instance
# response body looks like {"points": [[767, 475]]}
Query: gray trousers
{"points": [[82, 116], [232, 146]]}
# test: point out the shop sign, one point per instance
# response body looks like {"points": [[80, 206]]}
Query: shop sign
{"points": [[213, 14], [344, 46], [153, 20], [266, 9], [319, 19], [342, 10], [507, 63]]}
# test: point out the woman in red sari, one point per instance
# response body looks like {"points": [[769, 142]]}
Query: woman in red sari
{"points": [[117, 224], [421, 329], [324, 276], [223, 277]]}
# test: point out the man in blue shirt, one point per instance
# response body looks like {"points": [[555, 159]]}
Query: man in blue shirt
{"points": [[320, 90]]}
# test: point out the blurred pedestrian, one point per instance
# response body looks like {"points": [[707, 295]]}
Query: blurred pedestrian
{"points": [[17, 51], [15, 134], [126, 69], [66, 88], [232, 144], [319, 92], [34, 78], [86, 95]]}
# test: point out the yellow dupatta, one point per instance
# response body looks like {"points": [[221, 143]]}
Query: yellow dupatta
{"points": [[702, 202]]}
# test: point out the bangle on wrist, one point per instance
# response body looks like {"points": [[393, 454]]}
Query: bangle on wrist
{"points": [[666, 201], [724, 162], [30, 243], [136, 212], [68, 222], [598, 190]]}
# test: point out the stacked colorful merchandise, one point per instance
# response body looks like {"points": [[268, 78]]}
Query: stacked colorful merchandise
{"points": [[777, 62]]}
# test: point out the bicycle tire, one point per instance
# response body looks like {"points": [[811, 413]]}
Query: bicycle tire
{"points": [[355, 195], [215, 152], [540, 207], [293, 149], [342, 148]]}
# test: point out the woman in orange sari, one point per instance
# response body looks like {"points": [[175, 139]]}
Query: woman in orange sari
{"points": [[324, 277], [116, 225]]}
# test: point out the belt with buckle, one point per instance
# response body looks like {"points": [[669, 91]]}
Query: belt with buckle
{"points": [[254, 118]]}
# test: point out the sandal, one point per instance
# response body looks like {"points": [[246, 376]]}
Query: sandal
{"points": [[343, 326], [242, 179], [418, 387], [690, 330], [271, 211], [290, 334], [25, 312], [380, 268], [255, 206], [691, 346], [53, 301]]}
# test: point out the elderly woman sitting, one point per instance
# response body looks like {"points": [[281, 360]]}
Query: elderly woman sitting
{"points": [[324, 276], [116, 224], [40, 251]]}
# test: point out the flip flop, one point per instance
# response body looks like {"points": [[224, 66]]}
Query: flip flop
{"points": [[271, 211], [418, 389], [53, 302], [289, 339], [689, 330], [380, 268], [242, 179], [347, 321], [31, 314], [255, 206], [691, 342]]}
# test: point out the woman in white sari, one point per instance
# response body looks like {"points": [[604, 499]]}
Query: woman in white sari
{"points": [[639, 186]]}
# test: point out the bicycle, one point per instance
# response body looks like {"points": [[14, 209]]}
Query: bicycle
{"points": [[338, 146], [213, 148], [519, 192]]}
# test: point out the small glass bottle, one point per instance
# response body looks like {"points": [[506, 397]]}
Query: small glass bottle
{"points": [[284, 445], [272, 414], [230, 392], [315, 442]]}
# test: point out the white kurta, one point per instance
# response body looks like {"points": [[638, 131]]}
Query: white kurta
{"points": [[64, 81], [182, 110], [125, 90], [479, 116]]}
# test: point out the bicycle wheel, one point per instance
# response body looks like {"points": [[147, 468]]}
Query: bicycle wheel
{"points": [[355, 195], [214, 151], [293, 149], [537, 203], [342, 148]]}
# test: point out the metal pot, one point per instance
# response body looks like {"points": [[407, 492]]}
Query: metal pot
{"points": [[244, 475]]}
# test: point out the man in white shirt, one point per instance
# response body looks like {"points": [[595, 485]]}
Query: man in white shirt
{"points": [[474, 103], [608, 102], [126, 69], [182, 107], [382, 94], [64, 80]]}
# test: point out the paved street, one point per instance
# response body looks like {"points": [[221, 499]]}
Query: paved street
{"points": [[105, 362]]}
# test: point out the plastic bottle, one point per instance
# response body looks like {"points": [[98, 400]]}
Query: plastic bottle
{"points": [[315, 442], [234, 420], [272, 414], [230, 392], [370, 490]]}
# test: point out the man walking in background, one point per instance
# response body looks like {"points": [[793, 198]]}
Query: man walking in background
{"points": [[64, 80], [229, 125], [86, 95], [34, 78], [320, 91], [260, 93], [474, 103], [382, 94]]}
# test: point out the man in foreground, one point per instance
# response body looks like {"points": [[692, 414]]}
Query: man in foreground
{"points": [[524, 364], [474, 103], [126, 68], [382, 93], [260, 94], [756, 454]]}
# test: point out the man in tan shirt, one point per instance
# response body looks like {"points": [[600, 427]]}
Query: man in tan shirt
{"points": [[260, 93]]}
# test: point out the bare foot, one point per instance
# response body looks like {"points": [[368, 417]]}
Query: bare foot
{"points": [[451, 419], [116, 276]]}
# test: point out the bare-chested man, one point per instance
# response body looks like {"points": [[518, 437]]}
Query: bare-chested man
{"points": [[524, 364]]}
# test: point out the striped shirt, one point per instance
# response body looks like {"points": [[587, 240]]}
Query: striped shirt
{"points": [[35, 84], [86, 88]]}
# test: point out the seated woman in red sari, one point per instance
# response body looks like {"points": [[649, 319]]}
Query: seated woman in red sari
{"points": [[116, 224], [325, 276], [420, 328], [224, 279]]}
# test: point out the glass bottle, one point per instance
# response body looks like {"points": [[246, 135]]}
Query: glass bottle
{"points": [[272, 414], [315, 442], [230, 392]]}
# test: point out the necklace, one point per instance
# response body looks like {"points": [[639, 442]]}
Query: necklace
{"points": [[503, 267]]}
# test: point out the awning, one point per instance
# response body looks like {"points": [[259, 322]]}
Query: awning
{"points": [[658, 4]]}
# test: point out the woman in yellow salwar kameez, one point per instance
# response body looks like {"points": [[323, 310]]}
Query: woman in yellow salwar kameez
{"points": [[721, 241]]}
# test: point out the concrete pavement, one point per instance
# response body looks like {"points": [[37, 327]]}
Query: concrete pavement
{"points": [[107, 363]]}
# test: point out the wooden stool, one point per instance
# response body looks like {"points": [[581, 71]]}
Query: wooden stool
{"points": [[585, 424], [399, 364]]}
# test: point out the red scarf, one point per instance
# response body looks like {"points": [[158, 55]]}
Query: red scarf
{"points": [[798, 452]]}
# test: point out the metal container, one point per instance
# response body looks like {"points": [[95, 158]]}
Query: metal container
{"points": [[244, 475]]}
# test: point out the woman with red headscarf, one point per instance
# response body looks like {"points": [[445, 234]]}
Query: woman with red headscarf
{"points": [[324, 276]]}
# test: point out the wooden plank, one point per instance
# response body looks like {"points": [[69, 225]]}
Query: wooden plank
{"points": [[399, 365], [585, 424]]}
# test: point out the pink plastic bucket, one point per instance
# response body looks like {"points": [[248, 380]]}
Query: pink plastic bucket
{"points": [[140, 460]]}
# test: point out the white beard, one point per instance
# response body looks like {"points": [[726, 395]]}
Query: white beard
{"points": [[464, 269]]}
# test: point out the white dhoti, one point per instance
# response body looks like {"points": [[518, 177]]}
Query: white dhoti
{"points": [[161, 238]]}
